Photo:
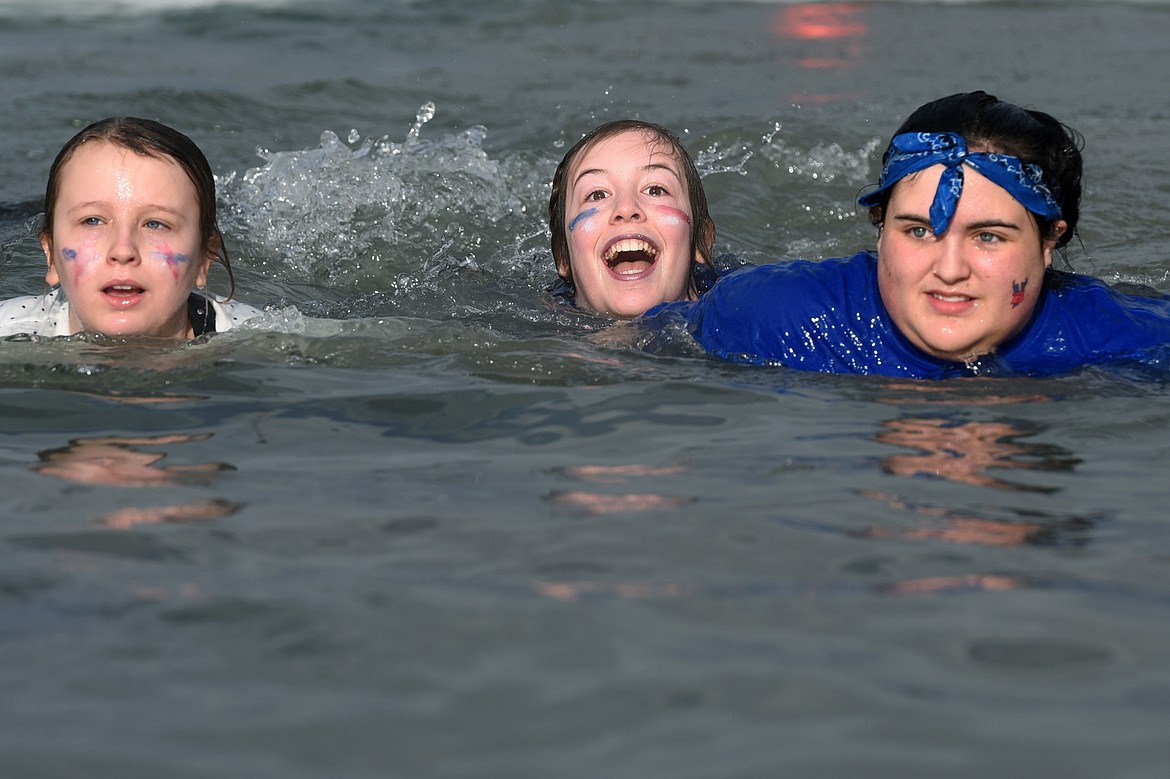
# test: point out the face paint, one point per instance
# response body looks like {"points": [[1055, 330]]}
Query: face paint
{"points": [[676, 214], [71, 256], [583, 215], [174, 260], [1018, 292]]}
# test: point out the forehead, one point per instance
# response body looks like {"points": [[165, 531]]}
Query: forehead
{"points": [[630, 149], [979, 192], [96, 162]]}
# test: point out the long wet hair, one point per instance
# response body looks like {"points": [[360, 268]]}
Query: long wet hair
{"points": [[150, 139], [702, 226], [987, 122]]}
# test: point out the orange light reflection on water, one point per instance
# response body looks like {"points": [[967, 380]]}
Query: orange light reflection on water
{"points": [[840, 30], [822, 21]]}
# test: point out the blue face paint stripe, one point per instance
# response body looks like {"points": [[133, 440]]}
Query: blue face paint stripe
{"points": [[583, 215], [69, 254]]}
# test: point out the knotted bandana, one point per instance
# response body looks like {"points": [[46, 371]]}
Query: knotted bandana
{"points": [[912, 152]]}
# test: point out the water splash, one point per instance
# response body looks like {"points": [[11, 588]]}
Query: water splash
{"points": [[373, 214], [823, 162], [718, 158], [426, 113]]}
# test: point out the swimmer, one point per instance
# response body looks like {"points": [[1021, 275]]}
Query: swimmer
{"points": [[629, 221], [975, 196], [130, 235]]}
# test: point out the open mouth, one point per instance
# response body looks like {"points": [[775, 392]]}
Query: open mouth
{"points": [[630, 255], [123, 290]]}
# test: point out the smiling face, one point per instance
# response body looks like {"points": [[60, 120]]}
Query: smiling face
{"points": [[963, 293], [126, 245], [628, 222]]}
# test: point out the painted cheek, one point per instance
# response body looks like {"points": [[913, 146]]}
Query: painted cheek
{"points": [[1019, 292], [585, 217], [173, 260], [76, 262], [71, 266], [674, 215]]}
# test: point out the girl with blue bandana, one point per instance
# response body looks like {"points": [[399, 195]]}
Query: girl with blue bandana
{"points": [[975, 196]]}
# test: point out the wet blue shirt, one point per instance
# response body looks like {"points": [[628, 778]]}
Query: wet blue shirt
{"points": [[828, 316]]}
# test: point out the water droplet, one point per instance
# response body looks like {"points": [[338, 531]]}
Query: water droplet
{"points": [[426, 112]]}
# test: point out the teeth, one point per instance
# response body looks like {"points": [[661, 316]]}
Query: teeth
{"points": [[630, 245], [952, 298]]}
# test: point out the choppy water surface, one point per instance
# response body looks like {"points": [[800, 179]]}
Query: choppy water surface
{"points": [[457, 532]]}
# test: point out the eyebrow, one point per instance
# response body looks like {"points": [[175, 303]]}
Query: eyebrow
{"points": [[969, 226], [105, 204], [645, 168]]}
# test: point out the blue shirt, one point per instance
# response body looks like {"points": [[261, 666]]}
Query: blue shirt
{"points": [[828, 316]]}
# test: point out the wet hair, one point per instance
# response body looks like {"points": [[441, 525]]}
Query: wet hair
{"points": [[150, 139], [702, 226], [1033, 136]]}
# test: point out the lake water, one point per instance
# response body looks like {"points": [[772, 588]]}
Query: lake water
{"points": [[460, 533]]}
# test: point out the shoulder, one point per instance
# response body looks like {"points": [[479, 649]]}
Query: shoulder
{"points": [[800, 313], [1082, 320], [231, 314], [1073, 296], [46, 315], [796, 287]]}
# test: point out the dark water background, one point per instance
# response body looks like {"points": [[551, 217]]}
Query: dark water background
{"points": [[456, 533]]}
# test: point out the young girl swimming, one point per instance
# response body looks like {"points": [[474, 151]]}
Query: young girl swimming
{"points": [[129, 234], [629, 221], [975, 196]]}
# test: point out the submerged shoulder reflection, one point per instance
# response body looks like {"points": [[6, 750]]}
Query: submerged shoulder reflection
{"points": [[116, 460], [967, 451]]}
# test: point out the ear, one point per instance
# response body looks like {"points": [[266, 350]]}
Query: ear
{"points": [[706, 240], [563, 269], [52, 278], [1055, 231], [214, 245]]}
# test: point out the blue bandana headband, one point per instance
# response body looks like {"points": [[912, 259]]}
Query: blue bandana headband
{"points": [[912, 152]]}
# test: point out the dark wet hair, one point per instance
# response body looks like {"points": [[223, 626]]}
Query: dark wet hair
{"points": [[703, 227], [150, 139], [1033, 136]]}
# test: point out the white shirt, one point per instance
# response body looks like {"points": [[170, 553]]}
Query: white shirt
{"points": [[48, 314]]}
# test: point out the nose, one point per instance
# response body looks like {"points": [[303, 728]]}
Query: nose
{"points": [[951, 266], [124, 250], [627, 209]]}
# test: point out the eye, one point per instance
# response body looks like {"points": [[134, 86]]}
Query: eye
{"points": [[91, 221], [918, 231], [154, 224], [595, 195], [656, 190], [986, 237]]}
